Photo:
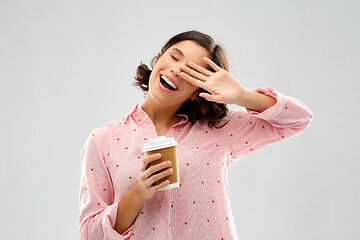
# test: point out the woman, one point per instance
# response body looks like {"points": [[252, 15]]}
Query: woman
{"points": [[186, 95]]}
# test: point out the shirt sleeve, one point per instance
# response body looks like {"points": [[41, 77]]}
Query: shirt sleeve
{"points": [[96, 195], [251, 130]]}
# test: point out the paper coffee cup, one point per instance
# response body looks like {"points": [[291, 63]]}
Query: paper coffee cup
{"points": [[168, 149]]}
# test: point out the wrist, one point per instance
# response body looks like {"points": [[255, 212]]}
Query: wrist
{"points": [[241, 101], [139, 193]]}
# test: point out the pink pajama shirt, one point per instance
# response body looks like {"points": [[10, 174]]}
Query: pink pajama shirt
{"points": [[200, 208]]}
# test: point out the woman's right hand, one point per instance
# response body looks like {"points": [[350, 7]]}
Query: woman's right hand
{"points": [[146, 181]]}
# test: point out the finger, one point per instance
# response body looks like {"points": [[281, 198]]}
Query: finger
{"points": [[193, 73], [200, 69], [212, 64], [193, 81], [150, 159], [211, 98], [161, 185]]}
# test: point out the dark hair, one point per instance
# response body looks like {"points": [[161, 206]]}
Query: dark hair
{"points": [[201, 109]]}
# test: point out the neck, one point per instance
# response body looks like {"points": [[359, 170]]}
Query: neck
{"points": [[161, 116]]}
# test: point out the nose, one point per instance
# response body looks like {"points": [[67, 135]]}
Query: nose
{"points": [[176, 72]]}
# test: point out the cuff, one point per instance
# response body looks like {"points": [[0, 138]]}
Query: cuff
{"points": [[109, 223], [272, 111]]}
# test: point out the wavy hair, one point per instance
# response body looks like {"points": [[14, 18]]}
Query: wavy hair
{"points": [[199, 109]]}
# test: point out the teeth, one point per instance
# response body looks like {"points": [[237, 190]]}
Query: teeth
{"points": [[168, 81]]}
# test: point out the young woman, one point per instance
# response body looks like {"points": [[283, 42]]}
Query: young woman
{"points": [[186, 90]]}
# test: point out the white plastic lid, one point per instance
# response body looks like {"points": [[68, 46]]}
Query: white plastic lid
{"points": [[158, 143]]}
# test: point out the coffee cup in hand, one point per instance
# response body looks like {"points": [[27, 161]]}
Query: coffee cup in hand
{"points": [[168, 149]]}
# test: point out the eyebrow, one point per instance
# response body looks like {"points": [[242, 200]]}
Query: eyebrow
{"points": [[178, 50]]}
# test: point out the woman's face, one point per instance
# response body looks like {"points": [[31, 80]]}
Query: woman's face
{"points": [[169, 65]]}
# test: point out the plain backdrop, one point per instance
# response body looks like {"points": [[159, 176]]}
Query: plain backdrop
{"points": [[68, 66]]}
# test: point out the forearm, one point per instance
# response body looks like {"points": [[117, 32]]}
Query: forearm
{"points": [[128, 209], [256, 101]]}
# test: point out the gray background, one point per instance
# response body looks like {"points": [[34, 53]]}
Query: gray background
{"points": [[67, 67]]}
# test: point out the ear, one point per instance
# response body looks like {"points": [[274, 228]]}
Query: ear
{"points": [[157, 57], [195, 96]]}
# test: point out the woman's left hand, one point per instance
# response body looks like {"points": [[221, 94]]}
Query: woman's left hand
{"points": [[223, 87]]}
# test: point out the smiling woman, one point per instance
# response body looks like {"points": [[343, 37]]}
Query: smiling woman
{"points": [[187, 90], [180, 49]]}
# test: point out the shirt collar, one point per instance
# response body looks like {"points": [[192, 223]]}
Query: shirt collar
{"points": [[139, 113]]}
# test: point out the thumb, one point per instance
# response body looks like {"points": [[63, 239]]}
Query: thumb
{"points": [[212, 98]]}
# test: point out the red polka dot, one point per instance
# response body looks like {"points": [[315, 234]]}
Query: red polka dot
{"points": [[217, 145], [108, 154], [218, 181], [246, 142], [185, 223], [130, 177], [197, 147], [282, 136], [117, 139], [202, 182], [126, 148], [263, 127], [208, 220], [251, 149], [93, 134], [187, 164], [134, 129], [178, 130], [239, 116], [142, 212], [250, 122], [153, 228], [92, 169], [98, 203], [193, 202], [139, 120], [138, 157], [172, 205], [213, 201], [285, 107], [231, 135], [117, 165], [208, 163], [145, 139], [206, 132], [104, 189]]}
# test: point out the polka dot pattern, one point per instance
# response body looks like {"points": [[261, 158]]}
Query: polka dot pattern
{"points": [[112, 157]]}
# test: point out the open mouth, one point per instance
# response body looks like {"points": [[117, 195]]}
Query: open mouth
{"points": [[167, 84]]}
